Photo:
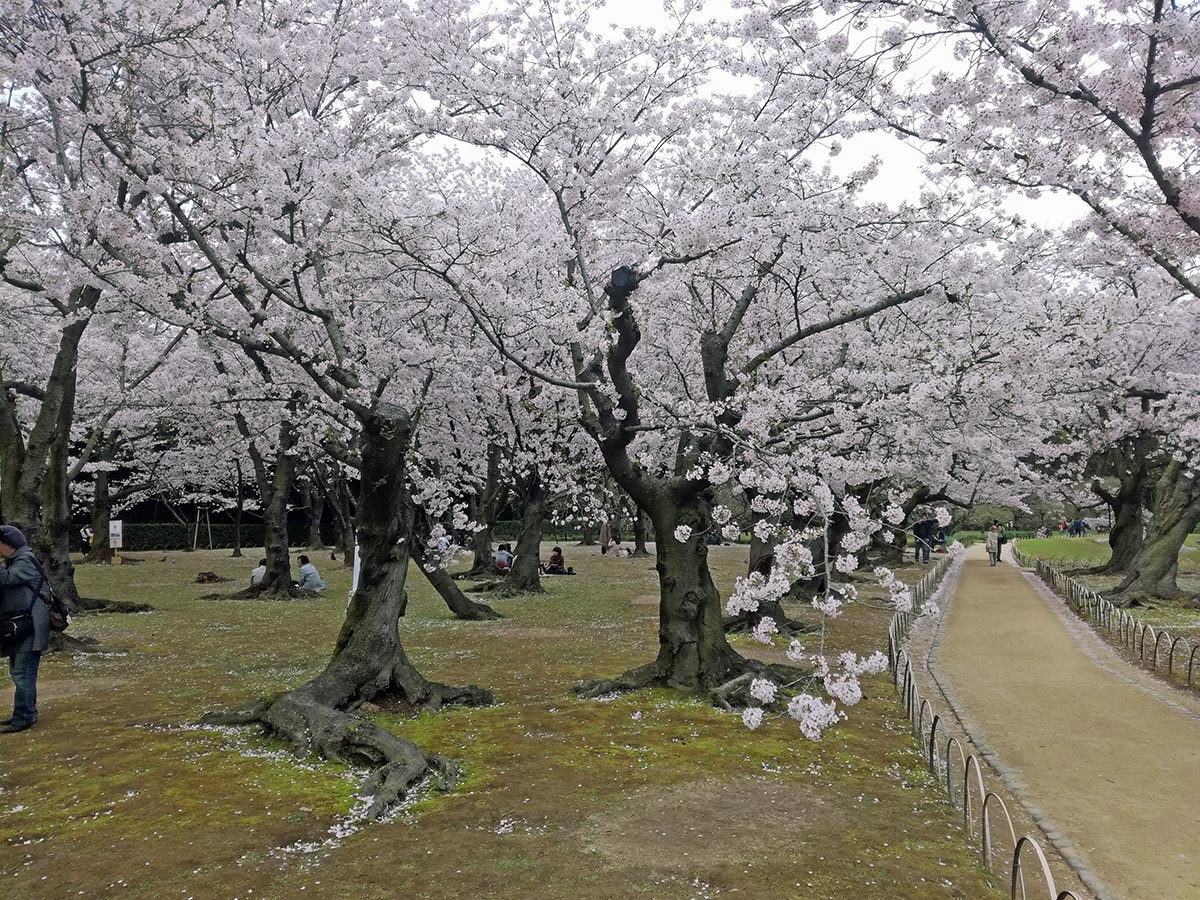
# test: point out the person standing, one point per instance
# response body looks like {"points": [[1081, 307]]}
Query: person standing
{"points": [[23, 592], [994, 540], [923, 538]]}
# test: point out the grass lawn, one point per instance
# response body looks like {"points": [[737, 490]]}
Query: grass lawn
{"points": [[117, 792]]}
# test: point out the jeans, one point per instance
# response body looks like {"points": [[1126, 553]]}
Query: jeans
{"points": [[24, 668], [922, 551]]}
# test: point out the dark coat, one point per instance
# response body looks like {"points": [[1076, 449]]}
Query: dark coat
{"points": [[19, 578], [923, 531]]}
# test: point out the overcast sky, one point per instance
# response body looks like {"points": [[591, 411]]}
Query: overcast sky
{"points": [[900, 176]]}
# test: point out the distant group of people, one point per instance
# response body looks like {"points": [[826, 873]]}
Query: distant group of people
{"points": [[1074, 528], [557, 564], [310, 579]]}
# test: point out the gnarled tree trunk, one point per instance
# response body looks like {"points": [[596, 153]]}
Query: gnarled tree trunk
{"points": [[524, 578], [1176, 512], [447, 588], [273, 491], [1126, 502], [693, 653], [239, 511], [369, 662]]}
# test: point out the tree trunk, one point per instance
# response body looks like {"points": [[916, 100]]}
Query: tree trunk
{"points": [[278, 578], [693, 653], [447, 588], [314, 510], [587, 535], [238, 512], [369, 662], [339, 501], [639, 535], [484, 508], [524, 578], [1125, 537], [1126, 503], [100, 551], [56, 507], [762, 561], [1176, 512]]}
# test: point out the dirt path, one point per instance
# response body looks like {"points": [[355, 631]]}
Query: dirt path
{"points": [[1108, 754]]}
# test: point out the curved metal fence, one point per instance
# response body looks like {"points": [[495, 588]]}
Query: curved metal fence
{"points": [[1155, 649], [962, 773]]}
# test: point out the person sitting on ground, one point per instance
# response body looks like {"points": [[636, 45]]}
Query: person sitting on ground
{"points": [[23, 591], [504, 559], [258, 573], [558, 563], [310, 578]]}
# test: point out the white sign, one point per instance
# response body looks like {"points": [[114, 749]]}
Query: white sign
{"points": [[354, 576], [115, 533]]}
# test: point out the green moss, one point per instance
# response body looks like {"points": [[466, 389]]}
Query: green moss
{"points": [[541, 771]]}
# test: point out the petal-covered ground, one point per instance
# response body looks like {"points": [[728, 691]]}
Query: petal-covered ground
{"points": [[118, 792]]}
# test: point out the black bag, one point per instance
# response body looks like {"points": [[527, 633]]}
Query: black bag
{"points": [[15, 627], [60, 616]]}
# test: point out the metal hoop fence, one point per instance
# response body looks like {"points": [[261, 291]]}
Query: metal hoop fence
{"points": [[963, 777], [1155, 649]]}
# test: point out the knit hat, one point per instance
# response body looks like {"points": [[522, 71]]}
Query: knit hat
{"points": [[11, 535]]}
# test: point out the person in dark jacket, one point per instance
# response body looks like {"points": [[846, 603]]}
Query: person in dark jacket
{"points": [[23, 589], [923, 538]]}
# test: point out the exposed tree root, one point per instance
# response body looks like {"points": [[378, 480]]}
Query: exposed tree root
{"points": [[477, 612], [97, 605], [474, 574], [735, 693], [313, 727], [396, 764], [60, 642], [731, 691], [743, 624], [258, 593]]}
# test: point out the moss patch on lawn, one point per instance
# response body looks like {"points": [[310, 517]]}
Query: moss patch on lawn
{"points": [[646, 795]]}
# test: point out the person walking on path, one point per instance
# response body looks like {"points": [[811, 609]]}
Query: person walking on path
{"points": [[24, 600], [994, 540]]}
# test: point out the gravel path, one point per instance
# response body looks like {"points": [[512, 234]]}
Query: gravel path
{"points": [[1105, 752]]}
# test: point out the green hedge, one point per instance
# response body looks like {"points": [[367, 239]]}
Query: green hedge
{"points": [[146, 536]]}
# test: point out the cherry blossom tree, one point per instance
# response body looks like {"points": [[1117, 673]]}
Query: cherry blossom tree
{"points": [[721, 279], [255, 135]]}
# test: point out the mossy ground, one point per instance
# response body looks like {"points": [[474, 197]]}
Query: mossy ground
{"points": [[1083, 552], [649, 795]]}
